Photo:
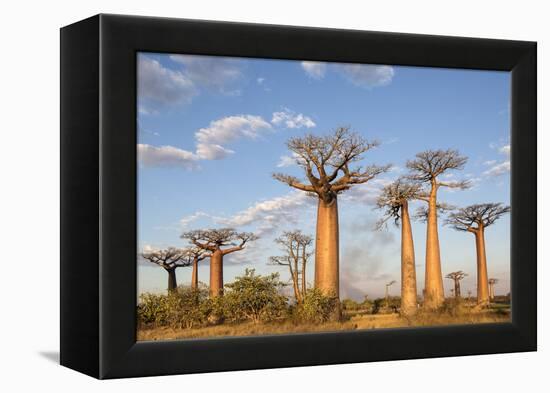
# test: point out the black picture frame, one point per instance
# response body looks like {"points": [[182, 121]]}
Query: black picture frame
{"points": [[98, 195]]}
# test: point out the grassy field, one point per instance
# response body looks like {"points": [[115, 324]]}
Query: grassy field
{"points": [[351, 322]]}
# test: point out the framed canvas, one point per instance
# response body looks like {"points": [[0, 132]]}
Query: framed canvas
{"points": [[273, 169]]}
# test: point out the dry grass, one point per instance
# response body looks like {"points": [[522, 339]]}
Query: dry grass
{"points": [[365, 321]]}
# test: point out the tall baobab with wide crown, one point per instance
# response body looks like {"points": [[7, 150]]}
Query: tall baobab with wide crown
{"points": [[475, 219], [427, 168], [295, 246], [169, 259], [218, 243], [326, 162], [195, 255], [395, 198], [492, 282], [456, 277]]}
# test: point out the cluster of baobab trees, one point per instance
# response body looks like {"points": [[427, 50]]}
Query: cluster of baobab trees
{"points": [[210, 243], [422, 184], [329, 166]]}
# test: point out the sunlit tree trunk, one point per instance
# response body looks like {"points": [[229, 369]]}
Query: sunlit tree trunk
{"points": [[304, 279], [216, 273], [326, 248], [457, 288], [408, 269], [195, 274], [482, 278], [172, 284], [434, 279]]}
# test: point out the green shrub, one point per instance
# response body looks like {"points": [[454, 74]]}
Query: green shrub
{"points": [[185, 308], [253, 297], [386, 306], [315, 308]]}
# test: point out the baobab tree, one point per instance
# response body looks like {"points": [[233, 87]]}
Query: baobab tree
{"points": [[492, 282], [388, 285], [475, 219], [427, 168], [195, 255], [295, 246], [395, 198], [326, 162], [214, 242], [169, 259], [456, 277]]}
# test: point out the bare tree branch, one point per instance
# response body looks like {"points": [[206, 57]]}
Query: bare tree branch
{"points": [[394, 196], [324, 158], [474, 217]]}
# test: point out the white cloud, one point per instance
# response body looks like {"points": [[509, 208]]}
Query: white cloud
{"points": [[260, 80], [166, 156], [212, 152], [209, 71], [210, 140], [285, 161], [269, 215], [499, 168], [367, 75], [505, 150], [291, 119], [161, 85], [185, 221], [361, 75], [366, 193], [314, 69]]}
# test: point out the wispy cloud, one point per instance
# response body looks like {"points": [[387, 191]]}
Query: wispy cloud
{"points": [[498, 168], [166, 156], [210, 71], [367, 75], [291, 119], [160, 85], [210, 140], [314, 69], [361, 75], [265, 216]]}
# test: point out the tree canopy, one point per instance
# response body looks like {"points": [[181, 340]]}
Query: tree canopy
{"points": [[326, 161], [474, 217], [214, 239]]}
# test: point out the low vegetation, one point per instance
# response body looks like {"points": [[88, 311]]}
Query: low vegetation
{"points": [[253, 305]]}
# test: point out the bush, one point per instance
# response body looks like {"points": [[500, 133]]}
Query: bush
{"points": [[389, 306], [254, 297], [186, 308], [315, 308]]}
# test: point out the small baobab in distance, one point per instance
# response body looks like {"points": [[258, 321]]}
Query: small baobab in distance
{"points": [[427, 168], [169, 259], [326, 161], [218, 243], [395, 198], [456, 277], [492, 283], [475, 219], [294, 245]]}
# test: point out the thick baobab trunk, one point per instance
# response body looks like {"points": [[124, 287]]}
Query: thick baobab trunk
{"points": [[434, 296], [195, 274], [482, 280], [408, 270], [172, 284], [216, 273], [326, 248]]}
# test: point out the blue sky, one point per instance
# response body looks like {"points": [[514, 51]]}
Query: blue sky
{"points": [[212, 130]]}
